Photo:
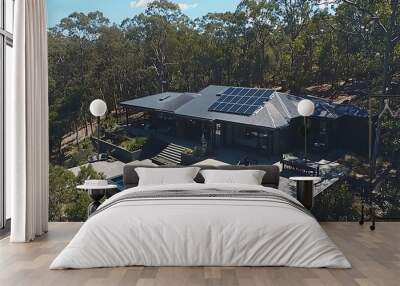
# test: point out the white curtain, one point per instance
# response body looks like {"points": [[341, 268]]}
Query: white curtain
{"points": [[27, 124]]}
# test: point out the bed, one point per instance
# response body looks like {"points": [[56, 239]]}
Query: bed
{"points": [[201, 224]]}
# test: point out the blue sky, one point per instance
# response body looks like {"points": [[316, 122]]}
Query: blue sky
{"points": [[117, 10]]}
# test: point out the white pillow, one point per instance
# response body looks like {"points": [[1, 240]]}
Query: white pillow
{"points": [[166, 176], [243, 177]]}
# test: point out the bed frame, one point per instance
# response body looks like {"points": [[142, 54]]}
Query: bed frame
{"points": [[270, 179]]}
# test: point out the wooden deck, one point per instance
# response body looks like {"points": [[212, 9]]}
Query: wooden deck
{"points": [[375, 257]]}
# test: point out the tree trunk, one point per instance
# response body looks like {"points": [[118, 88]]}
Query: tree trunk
{"points": [[387, 78], [77, 134], [378, 127], [262, 64], [116, 105], [86, 129], [91, 126], [59, 153]]}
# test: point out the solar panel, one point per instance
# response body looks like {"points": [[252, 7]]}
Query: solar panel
{"points": [[251, 100], [251, 92], [259, 92], [244, 91], [236, 91], [243, 101], [235, 108], [213, 106], [259, 101], [229, 90], [251, 109]]}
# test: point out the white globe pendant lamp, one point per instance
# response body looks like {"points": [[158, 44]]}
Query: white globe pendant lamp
{"points": [[98, 108], [306, 108]]}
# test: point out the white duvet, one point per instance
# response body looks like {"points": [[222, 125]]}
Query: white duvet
{"points": [[206, 231]]}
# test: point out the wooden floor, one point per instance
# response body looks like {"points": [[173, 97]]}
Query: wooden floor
{"points": [[375, 257]]}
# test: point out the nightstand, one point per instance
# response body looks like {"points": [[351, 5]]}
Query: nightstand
{"points": [[305, 190], [96, 193]]}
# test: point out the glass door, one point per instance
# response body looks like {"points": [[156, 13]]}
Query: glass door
{"points": [[2, 89], [6, 64]]}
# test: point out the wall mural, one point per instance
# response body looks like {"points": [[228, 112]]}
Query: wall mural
{"points": [[180, 89]]}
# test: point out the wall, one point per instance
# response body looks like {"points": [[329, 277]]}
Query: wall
{"points": [[352, 134], [117, 152]]}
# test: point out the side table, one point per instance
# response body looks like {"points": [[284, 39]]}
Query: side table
{"points": [[96, 193], [305, 190]]}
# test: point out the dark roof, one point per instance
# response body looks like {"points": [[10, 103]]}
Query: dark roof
{"points": [[277, 112], [167, 101], [325, 108]]}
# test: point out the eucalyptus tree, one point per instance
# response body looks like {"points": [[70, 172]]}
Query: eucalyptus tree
{"points": [[82, 31], [113, 53], [158, 31], [384, 16], [295, 15], [259, 22], [221, 43]]}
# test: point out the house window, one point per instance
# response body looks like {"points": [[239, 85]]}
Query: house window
{"points": [[6, 60]]}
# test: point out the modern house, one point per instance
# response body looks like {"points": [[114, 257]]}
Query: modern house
{"points": [[253, 117]]}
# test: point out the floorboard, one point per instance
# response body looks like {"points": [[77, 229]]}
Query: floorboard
{"points": [[375, 257]]}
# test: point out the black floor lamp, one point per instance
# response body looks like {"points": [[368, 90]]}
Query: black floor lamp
{"points": [[98, 108]]}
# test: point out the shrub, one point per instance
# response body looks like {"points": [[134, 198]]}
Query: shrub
{"points": [[78, 156], [110, 123], [66, 203], [134, 144]]}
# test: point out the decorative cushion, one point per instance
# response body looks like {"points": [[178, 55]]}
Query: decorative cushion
{"points": [[166, 176], [244, 177]]}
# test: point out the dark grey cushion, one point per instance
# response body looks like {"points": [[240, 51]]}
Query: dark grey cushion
{"points": [[270, 179]]}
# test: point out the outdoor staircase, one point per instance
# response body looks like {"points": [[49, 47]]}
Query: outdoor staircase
{"points": [[171, 155]]}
